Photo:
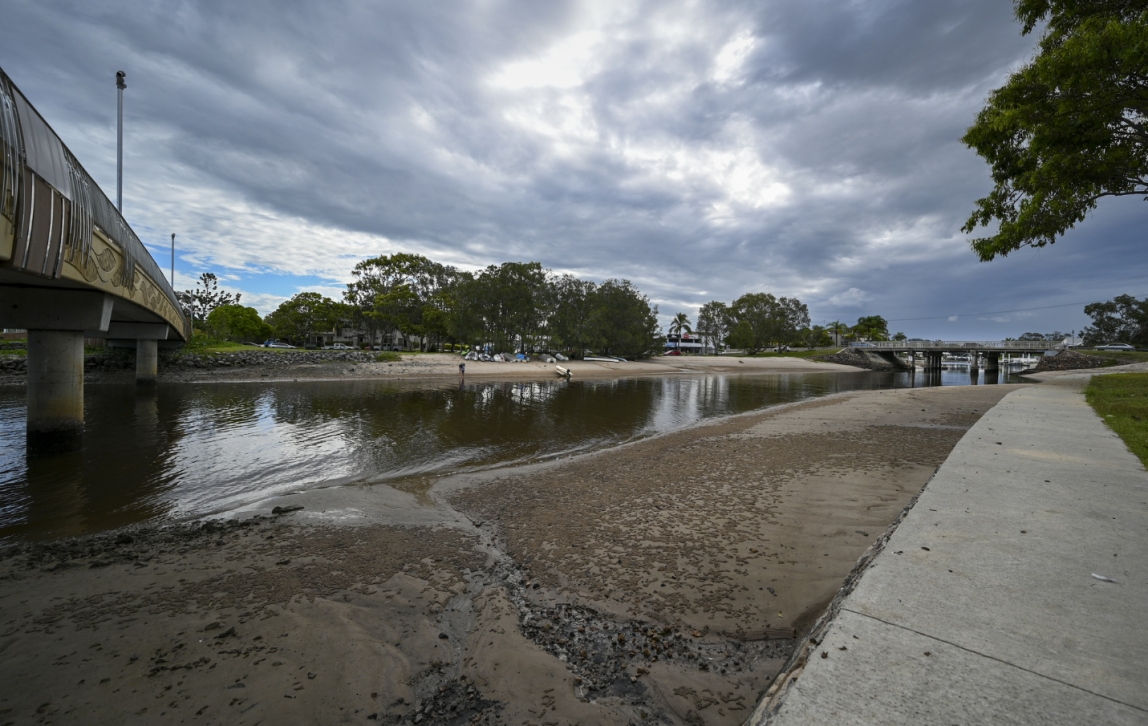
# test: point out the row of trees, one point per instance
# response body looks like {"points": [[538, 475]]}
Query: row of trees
{"points": [[515, 305], [757, 321], [512, 306]]}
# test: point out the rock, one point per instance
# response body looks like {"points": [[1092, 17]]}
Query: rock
{"points": [[287, 510], [124, 539]]}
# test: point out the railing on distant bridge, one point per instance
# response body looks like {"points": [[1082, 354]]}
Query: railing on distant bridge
{"points": [[947, 345]]}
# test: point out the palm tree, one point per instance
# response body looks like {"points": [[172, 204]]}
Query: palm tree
{"points": [[677, 325], [839, 330]]}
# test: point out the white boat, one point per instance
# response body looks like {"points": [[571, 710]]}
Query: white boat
{"points": [[599, 359], [564, 372]]}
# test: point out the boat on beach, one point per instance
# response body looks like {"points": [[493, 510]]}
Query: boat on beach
{"points": [[564, 372]]}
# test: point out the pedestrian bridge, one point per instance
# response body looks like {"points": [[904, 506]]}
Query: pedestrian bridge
{"points": [[960, 346], [933, 350], [70, 267]]}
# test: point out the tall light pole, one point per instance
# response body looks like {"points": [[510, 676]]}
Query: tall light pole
{"points": [[173, 261], [120, 86]]}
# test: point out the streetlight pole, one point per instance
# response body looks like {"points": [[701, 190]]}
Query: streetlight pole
{"points": [[173, 260], [120, 86]]}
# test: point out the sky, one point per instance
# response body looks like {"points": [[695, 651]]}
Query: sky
{"points": [[700, 149]]}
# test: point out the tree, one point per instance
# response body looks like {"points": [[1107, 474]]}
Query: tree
{"points": [[713, 323], [900, 336], [237, 323], [302, 315], [571, 306], [624, 322], [838, 330], [1124, 319], [678, 325], [198, 303], [871, 327], [759, 320], [421, 277], [816, 337], [1068, 128]]}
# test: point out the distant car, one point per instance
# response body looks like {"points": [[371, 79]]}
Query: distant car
{"points": [[277, 344], [1116, 346], [339, 346], [672, 352]]}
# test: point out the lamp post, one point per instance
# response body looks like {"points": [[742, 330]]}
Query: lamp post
{"points": [[120, 86], [173, 261]]}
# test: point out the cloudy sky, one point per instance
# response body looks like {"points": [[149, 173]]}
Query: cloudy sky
{"points": [[701, 149]]}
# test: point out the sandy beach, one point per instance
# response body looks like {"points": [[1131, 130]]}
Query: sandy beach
{"points": [[657, 582], [438, 365], [426, 366]]}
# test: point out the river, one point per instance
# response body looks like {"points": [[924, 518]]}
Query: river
{"points": [[185, 450]]}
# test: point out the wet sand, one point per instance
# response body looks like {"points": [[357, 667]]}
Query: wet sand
{"points": [[442, 365], [657, 582]]}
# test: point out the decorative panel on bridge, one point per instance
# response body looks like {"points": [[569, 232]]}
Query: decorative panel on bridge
{"points": [[59, 230]]}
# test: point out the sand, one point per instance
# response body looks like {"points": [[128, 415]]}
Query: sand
{"points": [[657, 582]]}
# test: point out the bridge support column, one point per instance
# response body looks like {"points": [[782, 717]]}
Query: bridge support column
{"points": [[147, 360], [992, 362], [974, 360], [55, 385]]}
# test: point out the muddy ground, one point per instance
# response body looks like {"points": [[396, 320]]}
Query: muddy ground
{"points": [[657, 582]]}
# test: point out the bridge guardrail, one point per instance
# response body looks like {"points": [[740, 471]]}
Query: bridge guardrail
{"points": [[945, 345]]}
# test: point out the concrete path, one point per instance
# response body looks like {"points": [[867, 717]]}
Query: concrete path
{"points": [[983, 607]]}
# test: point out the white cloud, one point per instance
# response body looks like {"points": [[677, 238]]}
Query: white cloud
{"points": [[850, 298]]}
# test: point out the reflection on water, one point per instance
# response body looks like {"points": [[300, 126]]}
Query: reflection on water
{"points": [[181, 450]]}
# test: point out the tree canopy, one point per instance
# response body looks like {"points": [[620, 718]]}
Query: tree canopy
{"points": [[198, 303], [1068, 128], [304, 314], [237, 323], [1124, 319]]}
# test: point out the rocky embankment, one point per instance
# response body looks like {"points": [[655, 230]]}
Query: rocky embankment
{"points": [[1069, 360], [863, 359], [124, 359]]}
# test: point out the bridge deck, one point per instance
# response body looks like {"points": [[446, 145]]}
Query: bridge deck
{"points": [[58, 231]]}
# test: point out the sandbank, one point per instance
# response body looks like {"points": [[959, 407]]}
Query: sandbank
{"points": [[658, 582]]}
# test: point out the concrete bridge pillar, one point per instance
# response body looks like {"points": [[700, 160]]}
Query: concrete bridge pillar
{"points": [[55, 320], [55, 383], [992, 362], [974, 360], [147, 360]]}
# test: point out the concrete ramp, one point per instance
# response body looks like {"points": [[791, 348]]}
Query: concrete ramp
{"points": [[984, 606]]}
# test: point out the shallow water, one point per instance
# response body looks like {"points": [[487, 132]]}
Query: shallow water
{"points": [[181, 450]]}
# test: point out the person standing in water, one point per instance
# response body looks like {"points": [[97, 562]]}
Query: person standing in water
{"points": [[462, 369]]}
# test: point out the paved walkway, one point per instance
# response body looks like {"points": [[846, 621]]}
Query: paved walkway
{"points": [[983, 607]]}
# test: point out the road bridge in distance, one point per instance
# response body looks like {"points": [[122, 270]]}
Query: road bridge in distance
{"points": [[933, 351], [70, 268]]}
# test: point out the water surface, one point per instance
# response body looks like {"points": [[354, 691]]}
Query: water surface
{"points": [[181, 450]]}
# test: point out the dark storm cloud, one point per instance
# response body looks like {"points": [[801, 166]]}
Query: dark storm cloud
{"points": [[807, 148]]}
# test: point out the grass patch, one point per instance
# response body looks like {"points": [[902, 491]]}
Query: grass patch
{"points": [[388, 356], [1121, 399], [797, 353]]}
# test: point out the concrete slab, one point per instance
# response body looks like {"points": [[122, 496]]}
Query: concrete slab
{"points": [[994, 567], [884, 677]]}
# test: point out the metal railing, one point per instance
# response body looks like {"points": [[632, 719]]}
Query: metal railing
{"points": [[945, 345]]}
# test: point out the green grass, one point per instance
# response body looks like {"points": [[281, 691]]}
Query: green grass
{"points": [[1121, 399], [388, 356], [801, 353]]}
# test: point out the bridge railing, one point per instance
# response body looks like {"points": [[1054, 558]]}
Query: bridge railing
{"points": [[945, 345], [32, 155]]}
